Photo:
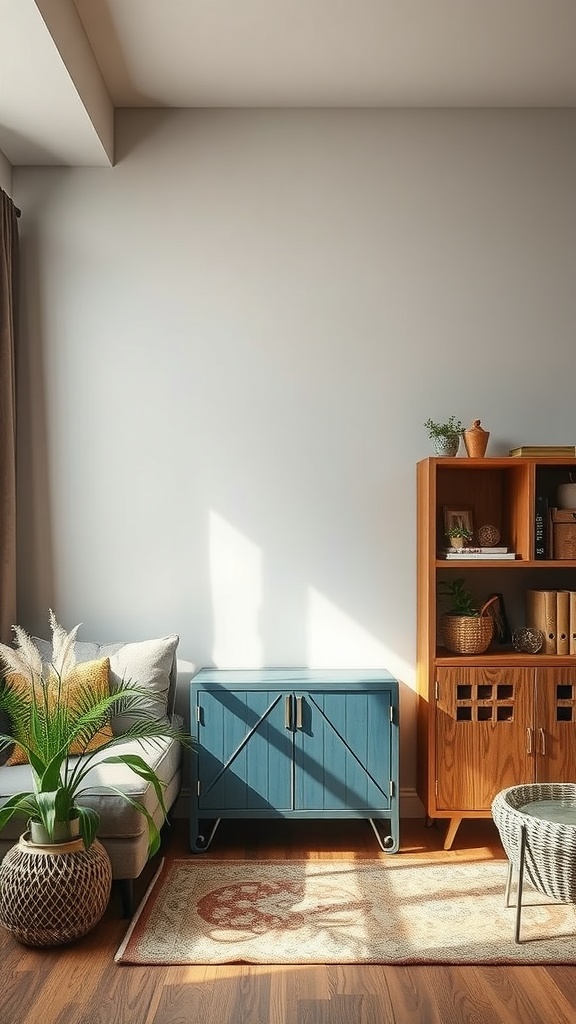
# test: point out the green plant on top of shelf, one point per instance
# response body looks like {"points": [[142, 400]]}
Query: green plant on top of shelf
{"points": [[451, 428], [461, 600]]}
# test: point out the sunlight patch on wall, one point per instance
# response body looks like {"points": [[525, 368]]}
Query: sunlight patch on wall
{"points": [[335, 640], [236, 577]]}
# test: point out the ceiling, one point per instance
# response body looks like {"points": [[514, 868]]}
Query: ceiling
{"points": [[65, 65]]}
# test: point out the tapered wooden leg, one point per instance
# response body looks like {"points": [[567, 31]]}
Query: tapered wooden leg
{"points": [[451, 833]]}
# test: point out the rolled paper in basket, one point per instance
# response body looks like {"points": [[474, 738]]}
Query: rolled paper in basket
{"points": [[487, 604]]}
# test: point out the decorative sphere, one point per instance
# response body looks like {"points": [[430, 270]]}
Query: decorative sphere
{"points": [[527, 640], [488, 536]]}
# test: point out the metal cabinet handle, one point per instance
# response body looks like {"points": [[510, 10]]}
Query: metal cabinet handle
{"points": [[542, 741], [288, 711], [528, 741], [299, 712]]}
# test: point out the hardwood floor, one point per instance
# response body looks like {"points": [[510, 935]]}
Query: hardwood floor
{"points": [[81, 984]]}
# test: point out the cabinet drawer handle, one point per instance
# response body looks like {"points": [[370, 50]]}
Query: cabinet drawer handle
{"points": [[299, 712], [528, 741], [288, 711], [542, 741]]}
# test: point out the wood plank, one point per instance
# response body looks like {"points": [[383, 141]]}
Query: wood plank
{"points": [[82, 983]]}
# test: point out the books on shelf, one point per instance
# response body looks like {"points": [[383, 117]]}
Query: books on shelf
{"points": [[475, 550], [572, 622], [541, 527], [541, 614], [551, 451], [562, 622], [554, 613], [489, 554]]}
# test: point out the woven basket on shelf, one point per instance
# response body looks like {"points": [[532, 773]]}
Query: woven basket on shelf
{"points": [[468, 634]]}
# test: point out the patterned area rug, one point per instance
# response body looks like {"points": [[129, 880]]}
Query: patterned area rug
{"points": [[387, 911]]}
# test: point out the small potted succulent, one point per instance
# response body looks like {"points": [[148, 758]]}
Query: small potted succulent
{"points": [[446, 436], [459, 535]]}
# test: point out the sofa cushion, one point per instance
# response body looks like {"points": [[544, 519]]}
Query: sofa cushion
{"points": [[117, 817], [147, 664], [88, 677]]}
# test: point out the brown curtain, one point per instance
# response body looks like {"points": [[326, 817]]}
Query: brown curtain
{"points": [[8, 306]]}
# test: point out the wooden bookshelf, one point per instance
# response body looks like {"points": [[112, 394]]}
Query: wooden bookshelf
{"points": [[503, 717]]}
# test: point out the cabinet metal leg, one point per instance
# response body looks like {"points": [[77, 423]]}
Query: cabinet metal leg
{"points": [[520, 884], [200, 841], [387, 843], [508, 888]]}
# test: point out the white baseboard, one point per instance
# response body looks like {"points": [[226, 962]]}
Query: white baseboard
{"points": [[410, 805]]}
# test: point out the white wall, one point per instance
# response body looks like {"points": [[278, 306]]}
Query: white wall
{"points": [[5, 174], [234, 337]]}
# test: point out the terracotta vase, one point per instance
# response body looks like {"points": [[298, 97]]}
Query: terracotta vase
{"points": [[476, 440]]}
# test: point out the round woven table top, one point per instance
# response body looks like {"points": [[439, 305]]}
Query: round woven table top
{"points": [[551, 810]]}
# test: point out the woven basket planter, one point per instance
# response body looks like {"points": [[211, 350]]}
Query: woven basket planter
{"points": [[550, 864], [50, 895], [467, 634]]}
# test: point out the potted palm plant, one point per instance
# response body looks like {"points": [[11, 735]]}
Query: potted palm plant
{"points": [[61, 724]]}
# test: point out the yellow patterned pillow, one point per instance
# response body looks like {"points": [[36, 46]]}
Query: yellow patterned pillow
{"points": [[86, 678]]}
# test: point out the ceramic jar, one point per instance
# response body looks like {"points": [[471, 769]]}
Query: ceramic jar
{"points": [[476, 440], [567, 496], [447, 445]]}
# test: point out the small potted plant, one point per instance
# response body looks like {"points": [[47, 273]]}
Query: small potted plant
{"points": [[446, 436], [459, 535], [465, 628]]}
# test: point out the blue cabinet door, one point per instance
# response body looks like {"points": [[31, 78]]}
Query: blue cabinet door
{"points": [[245, 751], [343, 751]]}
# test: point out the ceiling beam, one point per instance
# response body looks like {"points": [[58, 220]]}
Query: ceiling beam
{"points": [[54, 105]]}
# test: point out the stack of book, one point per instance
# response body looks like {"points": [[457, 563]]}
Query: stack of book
{"points": [[471, 552], [545, 451], [554, 613]]}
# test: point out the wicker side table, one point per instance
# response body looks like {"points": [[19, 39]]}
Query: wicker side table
{"points": [[537, 826]]}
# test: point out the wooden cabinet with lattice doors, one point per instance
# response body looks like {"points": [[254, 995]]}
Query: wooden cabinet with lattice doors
{"points": [[553, 738], [498, 727], [482, 721]]}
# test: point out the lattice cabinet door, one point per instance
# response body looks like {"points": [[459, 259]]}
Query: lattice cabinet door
{"points": [[555, 725], [483, 743]]}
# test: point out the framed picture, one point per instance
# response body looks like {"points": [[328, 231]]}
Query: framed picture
{"points": [[458, 517]]}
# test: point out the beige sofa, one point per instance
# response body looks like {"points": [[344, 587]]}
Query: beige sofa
{"points": [[151, 665]]}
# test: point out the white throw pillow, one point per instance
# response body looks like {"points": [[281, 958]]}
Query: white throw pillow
{"points": [[146, 664]]}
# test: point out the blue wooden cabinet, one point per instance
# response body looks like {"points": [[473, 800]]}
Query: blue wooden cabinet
{"points": [[294, 743]]}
